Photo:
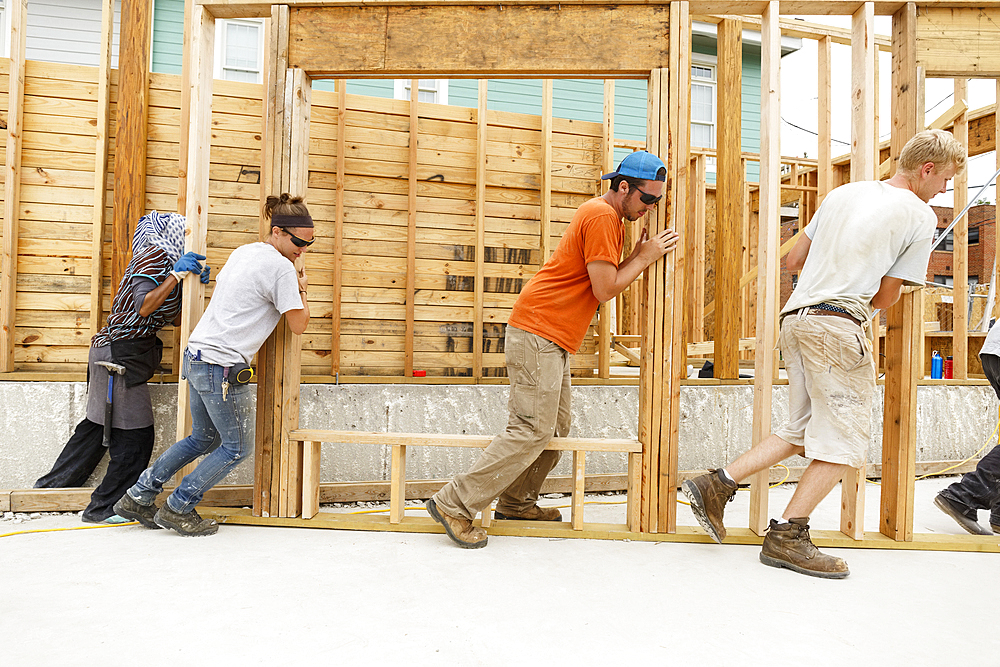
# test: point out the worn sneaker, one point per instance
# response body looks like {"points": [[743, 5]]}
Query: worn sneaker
{"points": [[459, 529], [188, 524], [788, 545], [966, 517], [129, 508], [533, 513], [708, 495]]}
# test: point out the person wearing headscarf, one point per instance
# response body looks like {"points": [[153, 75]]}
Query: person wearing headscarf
{"points": [[148, 299]]}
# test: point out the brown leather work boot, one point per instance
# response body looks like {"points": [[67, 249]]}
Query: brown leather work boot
{"points": [[708, 495], [459, 529], [189, 524], [788, 545], [533, 513]]}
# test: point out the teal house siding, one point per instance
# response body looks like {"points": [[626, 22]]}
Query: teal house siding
{"points": [[168, 36]]}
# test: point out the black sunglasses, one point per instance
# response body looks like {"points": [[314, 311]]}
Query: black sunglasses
{"points": [[647, 198], [301, 243]]}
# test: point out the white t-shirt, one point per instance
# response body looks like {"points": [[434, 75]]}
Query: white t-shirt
{"points": [[992, 343], [862, 232], [255, 287]]}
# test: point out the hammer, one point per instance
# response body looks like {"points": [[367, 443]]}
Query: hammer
{"points": [[112, 369]]}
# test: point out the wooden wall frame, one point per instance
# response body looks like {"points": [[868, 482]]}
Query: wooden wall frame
{"points": [[399, 54]]}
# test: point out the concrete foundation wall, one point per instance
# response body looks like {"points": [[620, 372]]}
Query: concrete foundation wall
{"points": [[37, 418]]}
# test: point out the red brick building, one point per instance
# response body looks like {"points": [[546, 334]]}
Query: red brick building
{"points": [[982, 246]]}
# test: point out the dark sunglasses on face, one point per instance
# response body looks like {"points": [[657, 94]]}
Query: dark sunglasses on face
{"points": [[301, 243], [647, 198]]}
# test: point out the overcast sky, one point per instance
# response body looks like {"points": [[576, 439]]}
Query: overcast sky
{"points": [[799, 103]]}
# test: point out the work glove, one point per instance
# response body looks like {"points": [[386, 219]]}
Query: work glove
{"points": [[188, 262], [205, 275]]}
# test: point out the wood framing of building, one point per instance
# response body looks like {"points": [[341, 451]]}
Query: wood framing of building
{"points": [[426, 38]]}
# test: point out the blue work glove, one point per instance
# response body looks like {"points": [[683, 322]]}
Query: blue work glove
{"points": [[206, 274], [189, 262]]}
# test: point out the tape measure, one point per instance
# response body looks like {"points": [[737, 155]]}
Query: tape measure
{"points": [[242, 374]]}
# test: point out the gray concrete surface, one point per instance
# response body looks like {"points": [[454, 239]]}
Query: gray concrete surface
{"points": [[36, 419], [129, 596]]}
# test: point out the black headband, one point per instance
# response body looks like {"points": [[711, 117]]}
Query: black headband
{"points": [[291, 221]]}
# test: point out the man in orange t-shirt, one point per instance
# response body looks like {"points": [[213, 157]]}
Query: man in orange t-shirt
{"points": [[547, 325]]}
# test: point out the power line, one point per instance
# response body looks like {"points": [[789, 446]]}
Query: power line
{"points": [[847, 143]]}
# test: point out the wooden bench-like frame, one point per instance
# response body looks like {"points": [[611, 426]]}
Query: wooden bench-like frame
{"points": [[312, 441]]}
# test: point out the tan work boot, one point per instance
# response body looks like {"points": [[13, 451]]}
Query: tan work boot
{"points": [[708, 495], [459, 529], [533, 513], [788, 545]]}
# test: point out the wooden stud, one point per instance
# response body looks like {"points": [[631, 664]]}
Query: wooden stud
{"points": [[12, 182], [397, 492], [197, 94], [864, 151], [579, 475], [278, 471], [411, 233], [960, 252], [311, 458], [604, 311], [130, 132], [101, 165], [991, 297], [903, 319], [338, 238], [608, 163], [486, 516], [634, 491], [265, 503], [768, 269], [729, 204], [675, 145], [482, 135], [182, 160], [824, 168], [298, 92], [545, 179], [649, 413]]}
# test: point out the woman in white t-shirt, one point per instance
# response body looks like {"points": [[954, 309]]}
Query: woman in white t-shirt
{"points": [[259, 283]]}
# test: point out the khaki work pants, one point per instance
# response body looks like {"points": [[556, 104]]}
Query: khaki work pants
{"points": [[514, 465]]}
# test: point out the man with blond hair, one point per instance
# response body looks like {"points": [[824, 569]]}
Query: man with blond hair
{"points": [[866, 241]]}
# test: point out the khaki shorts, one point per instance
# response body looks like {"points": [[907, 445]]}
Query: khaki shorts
{"points": [[831, 381]]}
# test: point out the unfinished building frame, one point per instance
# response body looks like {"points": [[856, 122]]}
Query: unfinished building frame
{"points": [[354, 39]]}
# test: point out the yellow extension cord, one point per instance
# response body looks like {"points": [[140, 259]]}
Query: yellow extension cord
{"points": [[589, 502]]}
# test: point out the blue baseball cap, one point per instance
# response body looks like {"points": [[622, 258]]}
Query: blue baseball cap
{"points": [[641, 165]]}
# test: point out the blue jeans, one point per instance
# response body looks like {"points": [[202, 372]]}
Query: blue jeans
{"points": [[211, 418]]}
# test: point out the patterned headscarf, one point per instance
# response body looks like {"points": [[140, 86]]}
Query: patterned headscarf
{"points": [[163, 230]]}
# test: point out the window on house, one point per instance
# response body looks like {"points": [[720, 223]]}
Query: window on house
{"points": [[944, 280], [240, 50], [703, 85], [949, 241], [434, 91], [973, 235]]}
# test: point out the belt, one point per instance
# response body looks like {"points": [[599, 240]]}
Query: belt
{"points": [[813, 310]]}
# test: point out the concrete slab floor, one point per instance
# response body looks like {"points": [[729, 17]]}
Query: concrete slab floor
{"points": [[254, 596]]}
